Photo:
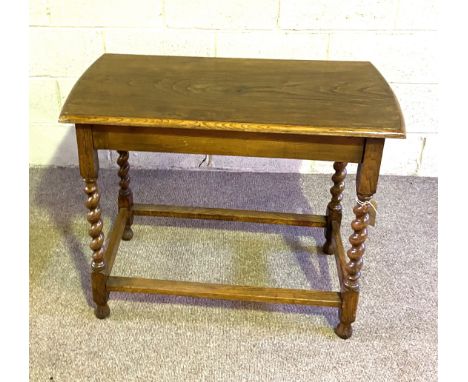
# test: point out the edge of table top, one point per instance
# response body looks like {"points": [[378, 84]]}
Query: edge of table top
{"points": [[361, 131], [232, 126]]}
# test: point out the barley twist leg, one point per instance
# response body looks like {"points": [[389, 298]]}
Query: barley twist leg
{"points": [[334, 208], [350, 293], [98, 266], [125, 199]]}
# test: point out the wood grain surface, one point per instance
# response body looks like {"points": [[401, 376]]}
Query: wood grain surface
{"points": [[336, 98], [217, 142]]}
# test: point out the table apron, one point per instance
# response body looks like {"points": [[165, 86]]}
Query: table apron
{"points": [[217, 142]]}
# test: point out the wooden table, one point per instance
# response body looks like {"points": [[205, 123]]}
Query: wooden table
{"points": [[316, 110]]}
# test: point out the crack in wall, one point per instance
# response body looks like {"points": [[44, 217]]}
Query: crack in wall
{"points": [[420, 156], [59, 94], [278, 15]]}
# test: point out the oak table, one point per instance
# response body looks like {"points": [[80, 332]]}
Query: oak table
{"points": [[315, 110]]}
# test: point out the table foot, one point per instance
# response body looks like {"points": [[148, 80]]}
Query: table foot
{"points": [[327, 248], [102, 311], [344, 331], [127, 234]]}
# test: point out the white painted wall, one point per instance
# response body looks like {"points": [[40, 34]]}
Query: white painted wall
{"points": [[398, 36]]}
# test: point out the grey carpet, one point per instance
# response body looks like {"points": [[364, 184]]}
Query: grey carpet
{"points": [[163, 338]]}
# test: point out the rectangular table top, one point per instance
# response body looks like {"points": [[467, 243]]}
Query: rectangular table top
{"points": [[336, 98]]}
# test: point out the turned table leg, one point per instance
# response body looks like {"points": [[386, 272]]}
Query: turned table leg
{"points": [[125, 193], [350, 294], [366, 186], [89, 169], [334, 208], [98, 266]]}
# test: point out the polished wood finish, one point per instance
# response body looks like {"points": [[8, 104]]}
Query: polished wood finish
{"points": [[319, 110], [87, 154], [125, 199], [225, 292], [339, 98], [268, 145], [368, 170], [334, 208], [230, 215]]}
